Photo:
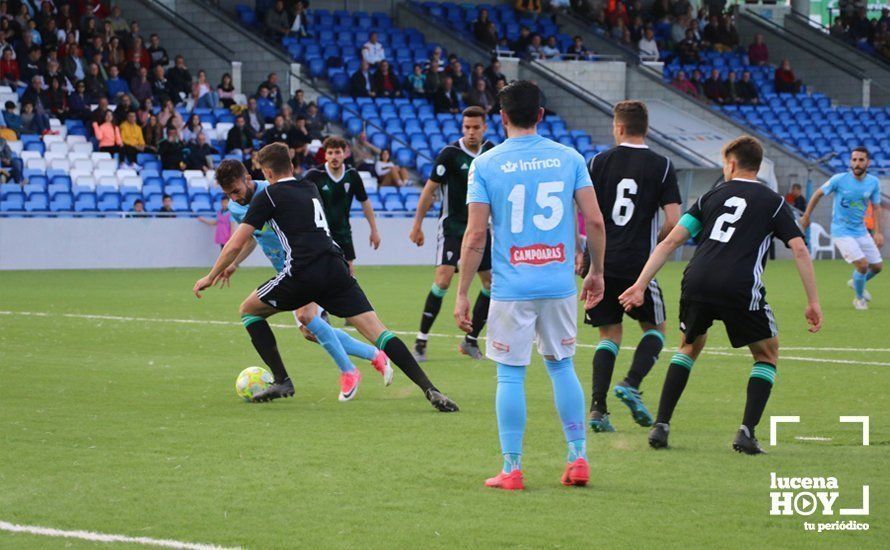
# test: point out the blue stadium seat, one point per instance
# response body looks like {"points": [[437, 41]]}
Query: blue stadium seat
{"points": [[110, 202], [62, 202], [85, 202]]}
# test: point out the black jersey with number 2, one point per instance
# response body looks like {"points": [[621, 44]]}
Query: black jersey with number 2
{"points": [[632, 183], [736, 222], [294, 211]]}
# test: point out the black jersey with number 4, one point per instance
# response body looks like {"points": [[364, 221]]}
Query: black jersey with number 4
{"points": [[632, 183], [294, 211], [736, 222]]}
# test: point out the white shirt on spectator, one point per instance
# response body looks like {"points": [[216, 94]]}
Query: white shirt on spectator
{"points": [[648, 49], [373, 53], [549, 51], [383, 168]]}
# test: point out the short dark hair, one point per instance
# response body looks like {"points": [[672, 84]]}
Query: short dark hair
{"points": [[166, 196], [796, 186], [275, 157], [747, 152], [9, 105], [633, 115], [229, 171], [138, 201], [335, 142], [861, 149], [473, 111], [521, 100]]}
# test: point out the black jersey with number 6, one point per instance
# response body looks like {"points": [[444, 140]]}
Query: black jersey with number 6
{"points": [[736, 222], [294, 211], [632, 183]]}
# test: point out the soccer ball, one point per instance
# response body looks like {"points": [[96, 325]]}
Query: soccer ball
{"points": [[251, 381]]}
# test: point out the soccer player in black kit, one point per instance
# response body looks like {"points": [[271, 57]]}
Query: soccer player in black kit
{"points": [[632, 183], [736, 222], [315, 270]]}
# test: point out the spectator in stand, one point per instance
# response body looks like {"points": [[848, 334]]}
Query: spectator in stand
{"points": [[119, 25], [678, 29], [138, 54], [277, 20], [179, 80], [132, 140], [98, 115], [714, 89], [578, 50], [140, 86], [166, 210], [647, 48], [529, 7], [300, 25], [710, 35], [437, 57], [297, 103], [275, 95], [73, 65], [108, 135], [160, 87], [727, 36], [278, 133], [795, 198], [520, 45], [169, 117], [265, 104], [416, 81], [299, 140], [373, 51], [13, 121], [116, 85], [34, 94], [489, 36], [433, 79], [683, 84], [9, 69], [786, 82], [386, 84], [30, 65], [116, 56], [138, 209], [152, 133], [360, 82], [446, 100], [480, 97], [192, 128], [550, 50], [478, 73], [157, 54], [172, 151], [56, 99], [493, 74], [687, 49], [198, 157], [535, 48], [226, 91], [388, 174], [239, 137], [758, 53], [202, 92], [223, 222], [255, 120], [731, 90], [79, 102], [480, 27], [458, 79]]}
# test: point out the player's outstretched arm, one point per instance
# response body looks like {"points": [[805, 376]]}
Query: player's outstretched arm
{"points": [[633, 296], [230, 251], [804, 264], [372, 223], [814, 200], [593, 286], [427, 197], [671, 217], [471, 251], [224, 278]]}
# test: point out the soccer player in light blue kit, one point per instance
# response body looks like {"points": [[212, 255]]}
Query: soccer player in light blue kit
{"points": [[528, 186], [234, 179], [853, 191]]}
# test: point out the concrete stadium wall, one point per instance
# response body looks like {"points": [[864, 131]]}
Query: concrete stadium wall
{"points": [[116, 243]]}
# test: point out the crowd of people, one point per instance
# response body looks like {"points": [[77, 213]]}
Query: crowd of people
{"points": [[527, 45], [871, 35]]}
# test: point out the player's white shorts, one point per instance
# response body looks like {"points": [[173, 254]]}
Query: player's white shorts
{"points": [[514, 326], [856, 248], [297, 317]]}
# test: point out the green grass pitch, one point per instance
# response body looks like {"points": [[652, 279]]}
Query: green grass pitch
{"points": [[118, 417]]}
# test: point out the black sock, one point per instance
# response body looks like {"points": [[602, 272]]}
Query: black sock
{"points": [[398, 353], [645, 357], [431, 309], [264, 341], [480, 315], [674, 384], [760, 384], [603, 365]]}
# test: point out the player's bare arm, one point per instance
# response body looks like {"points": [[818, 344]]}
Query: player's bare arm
{"points": [[814, 201], [229, 253], [472, 250], [879, 236], [372, 223], [427, 197], [224, 278], [671, 217], [633, 296], [593, 286], [804, 265]]}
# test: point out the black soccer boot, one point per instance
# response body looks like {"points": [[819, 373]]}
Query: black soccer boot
{"points": [[440, 402], [745, 442], [658, 436], [274, 391]]}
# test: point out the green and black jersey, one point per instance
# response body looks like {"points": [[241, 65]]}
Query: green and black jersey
{"points": [[450, 172], [337, 196]]}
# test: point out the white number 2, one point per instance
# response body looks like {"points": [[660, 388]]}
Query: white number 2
{"points": [[320, 220], [623, 209], [718, 233], [546, 199]]}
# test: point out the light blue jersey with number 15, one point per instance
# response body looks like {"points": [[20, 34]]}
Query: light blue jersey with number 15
{"points": [[530, 183]]}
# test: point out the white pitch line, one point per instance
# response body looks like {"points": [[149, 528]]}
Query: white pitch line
{"points": [[727, 352], [811, 438], [104, 537]]}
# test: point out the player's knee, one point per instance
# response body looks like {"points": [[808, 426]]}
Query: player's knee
{"points": [[876, 268], [305, 317], [861, 265]]}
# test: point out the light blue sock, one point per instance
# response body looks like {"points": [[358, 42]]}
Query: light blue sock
{"points": [[869, 275], [510, 407], [355, 348], [326, 336], [569, 399], [859, 280]]}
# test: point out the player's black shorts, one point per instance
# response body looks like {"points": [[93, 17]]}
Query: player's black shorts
{"points": [[610, 312], [743, 326], [346, 246], [448, 252], [326, 282]]}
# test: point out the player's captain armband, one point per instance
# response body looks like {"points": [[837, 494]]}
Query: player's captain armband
{"points": [[691, 224]]}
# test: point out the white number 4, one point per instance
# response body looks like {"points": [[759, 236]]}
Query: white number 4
{"points": [[718, 233], [320, 220]]}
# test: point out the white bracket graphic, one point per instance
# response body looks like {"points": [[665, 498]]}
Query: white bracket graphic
{"points": [[859, 420], [858, 511], [774, 420]]}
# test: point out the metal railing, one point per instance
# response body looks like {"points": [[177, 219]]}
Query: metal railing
{"points": [[816, 26]]}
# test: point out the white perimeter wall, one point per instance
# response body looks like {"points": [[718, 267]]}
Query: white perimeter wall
{"points": [[110, 243]]}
